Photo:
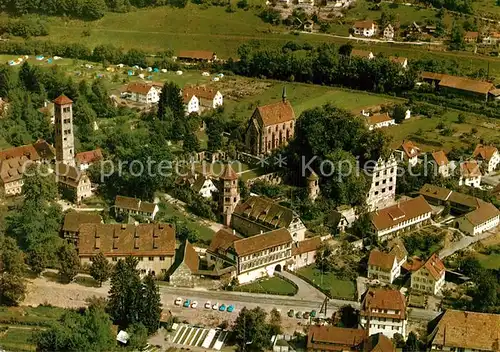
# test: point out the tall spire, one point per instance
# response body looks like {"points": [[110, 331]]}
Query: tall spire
{"points": [[283, 95]]}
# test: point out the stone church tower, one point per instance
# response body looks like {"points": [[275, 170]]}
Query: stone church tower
{"points": [[229, 194], [64, 138], [313, 186]]}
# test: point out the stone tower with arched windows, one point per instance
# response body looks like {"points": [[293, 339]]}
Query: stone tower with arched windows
{"points": [[229, 194], [64, 138], [313, 186]]}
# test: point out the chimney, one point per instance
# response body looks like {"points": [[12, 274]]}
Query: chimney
{"points": [[234, 232]]}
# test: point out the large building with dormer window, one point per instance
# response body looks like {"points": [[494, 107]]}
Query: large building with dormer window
{"points": [[260, 214], [253, 257]]}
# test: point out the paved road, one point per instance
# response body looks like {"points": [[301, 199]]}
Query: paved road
{"points": [[73, 295], [306, 291], [373, 40], [465, 242]]}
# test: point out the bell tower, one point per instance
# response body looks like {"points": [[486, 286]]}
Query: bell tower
{"points": [[64, 138], [229, 194]]}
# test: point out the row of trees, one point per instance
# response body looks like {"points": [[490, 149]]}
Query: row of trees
{"points": [[324, 65]]}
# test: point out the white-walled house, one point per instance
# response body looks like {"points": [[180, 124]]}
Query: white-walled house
{"points": [[441, 162], [385, 312], [389, 221], [389, 32], [204, 186], [429, 278], [366, 28], [483, 218], [487, 154], [304, 252], [208, 98], [144, 93], [383, 266], [470, 174], [409, 151], [191, 103]]}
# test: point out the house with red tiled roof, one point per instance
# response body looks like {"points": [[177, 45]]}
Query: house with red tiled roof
{"points": [[142, 92], [470, 174], [407, 214], [331, 338], [384, 311], [459, 85], [491, 38], [441, 162], [304, 252], [85, 159], [429, 278], [379, 121], [198, 98], [383, 266], [270, 127], [367, 28], [409, 151], [253, 257], [134, 206], [487, 154], [484, 218]]}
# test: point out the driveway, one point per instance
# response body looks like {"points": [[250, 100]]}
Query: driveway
{"points": [[465, 242], [306, 291]]}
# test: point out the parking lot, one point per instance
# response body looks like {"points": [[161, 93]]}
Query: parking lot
{"points": [[186, 335]]}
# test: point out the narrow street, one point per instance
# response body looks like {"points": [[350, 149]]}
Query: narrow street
{"points": [[465, 242]]}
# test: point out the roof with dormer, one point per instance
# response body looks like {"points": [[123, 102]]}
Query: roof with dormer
{"points": [[403, 211], [264, 210]]}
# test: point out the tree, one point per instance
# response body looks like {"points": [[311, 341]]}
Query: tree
{"points": [[251, 332], [69, 263], [348, 316], [87, 331], [214, 128], [345, 49], [461, 118], [171, 99], [399, 113], [37, 259], [446, 210], [324, 257], [12, 283], [485, 296], [124, 295], [191, 143], [242, 4], [138, 336], [362, 226], [151, 305], [457, 41], [412, 343], [471, 267], [101, 268], [275, 322]]}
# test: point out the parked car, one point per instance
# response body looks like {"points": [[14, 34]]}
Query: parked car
{"points": [[178, 301], [313, 314], [291, 313], [230, 308], [222, 308], [215, 306], [298, 315], [187, 303], [194, 304], [208, 305], [306, 315]]}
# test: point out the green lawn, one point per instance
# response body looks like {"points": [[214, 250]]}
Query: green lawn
{"points": [[489, 261], [487, 130], [273, 286], [328, 281]]}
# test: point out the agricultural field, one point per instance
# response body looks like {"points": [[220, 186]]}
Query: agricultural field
{"points": [[22, 322], [425, 132]]}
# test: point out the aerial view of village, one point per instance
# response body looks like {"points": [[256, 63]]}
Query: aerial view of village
{"points": [[249, 175]]}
